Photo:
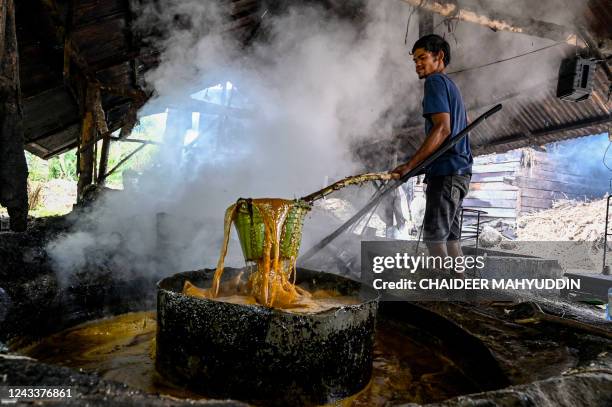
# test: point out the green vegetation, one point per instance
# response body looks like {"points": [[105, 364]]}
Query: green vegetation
{"points": [[52, 183], [59, 167], [64, 166]]}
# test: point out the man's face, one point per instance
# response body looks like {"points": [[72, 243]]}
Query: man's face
{"points": [[427, 63]]}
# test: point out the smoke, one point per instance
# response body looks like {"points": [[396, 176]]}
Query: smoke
{"points": [[300, 99], [507, 64], [315, 85], [588, 157]]}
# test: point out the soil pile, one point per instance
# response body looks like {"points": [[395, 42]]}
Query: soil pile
{"points": [[567, 220]]}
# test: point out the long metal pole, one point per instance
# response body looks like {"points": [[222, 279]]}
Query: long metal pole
{"points": [[391, 185]]}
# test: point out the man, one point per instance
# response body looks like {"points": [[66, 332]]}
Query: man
{"points": [[448, 177]]}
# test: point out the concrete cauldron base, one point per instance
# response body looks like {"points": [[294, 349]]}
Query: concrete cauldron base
{"points": [[261, 354]]}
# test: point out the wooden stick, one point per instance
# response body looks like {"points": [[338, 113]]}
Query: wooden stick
{"points": [[135, 140], [541, 316], [120, 163], [355, 179]]}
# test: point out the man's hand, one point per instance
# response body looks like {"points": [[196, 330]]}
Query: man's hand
{"points": [[399, 171], [437, 135]]}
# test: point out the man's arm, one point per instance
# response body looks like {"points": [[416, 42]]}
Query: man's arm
{"points": [[437, 135]]}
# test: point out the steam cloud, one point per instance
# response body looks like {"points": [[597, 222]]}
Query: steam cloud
{"points": [[314, 87]]}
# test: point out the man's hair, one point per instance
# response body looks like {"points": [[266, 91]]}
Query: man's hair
{"points": [[434, 43]]}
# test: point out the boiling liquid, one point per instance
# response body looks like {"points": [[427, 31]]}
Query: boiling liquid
{"points": [[270, 284], [122, 348], [236, 292]]}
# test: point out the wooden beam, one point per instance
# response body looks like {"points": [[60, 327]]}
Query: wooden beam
{"points": [[86, 141], [131, 120], [426, 22], [13, 167], [86, 156], [580, 124], [104, 153], [552, 186], [98, 111], [4, 22], [195, 105], [137, 95], [473, 13]]}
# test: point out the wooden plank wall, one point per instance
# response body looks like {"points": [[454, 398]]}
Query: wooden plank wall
{"points": [[489, 191], [522, 181], [544, 178]]}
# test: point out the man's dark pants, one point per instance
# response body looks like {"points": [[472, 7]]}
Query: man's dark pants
{"points": [[444, 197]]}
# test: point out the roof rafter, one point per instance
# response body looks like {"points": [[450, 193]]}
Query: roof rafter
{"points": [[473, 13]]}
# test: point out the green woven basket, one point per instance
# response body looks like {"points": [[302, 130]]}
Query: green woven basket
{"points": [[250, 227]]}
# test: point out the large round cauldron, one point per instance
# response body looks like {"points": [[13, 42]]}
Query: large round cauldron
{"points": [[261, 354]]}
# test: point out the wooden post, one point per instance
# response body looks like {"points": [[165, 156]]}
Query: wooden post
{"points": [[102, 129], [426, 23], [86, 150], [13, 167], [104, 153]]}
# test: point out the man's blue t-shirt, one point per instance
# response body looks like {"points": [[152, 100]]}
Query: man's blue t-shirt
{"points": [[443, 96]]}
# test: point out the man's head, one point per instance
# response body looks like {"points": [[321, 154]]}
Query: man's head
{"points": [[431, 54]]}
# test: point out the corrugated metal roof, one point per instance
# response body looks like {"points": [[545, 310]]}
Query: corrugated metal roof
{"points": [[523, 122], [529, 117], [539, 117], [534, 116]]}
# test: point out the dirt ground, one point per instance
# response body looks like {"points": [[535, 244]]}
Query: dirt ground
{"points": [[575, 230], [568, 220], [571, 232]]}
